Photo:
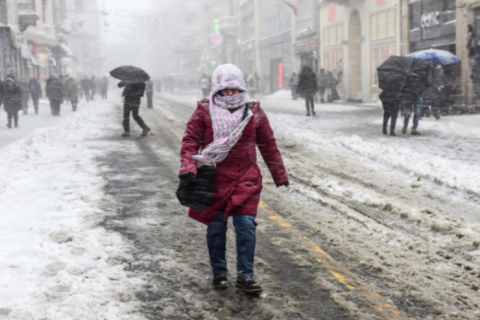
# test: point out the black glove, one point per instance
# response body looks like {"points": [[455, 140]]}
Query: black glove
{"points": [[285, 184], [186, 176]]}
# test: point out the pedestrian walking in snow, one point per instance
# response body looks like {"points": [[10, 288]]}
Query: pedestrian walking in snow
{"points": [[223, 132], [307, 88], [252, 86], [149, 90], [25, 89], [416, 107], [35, 92], [104, 88], [293, 84], [332, 83], [55, 93], [205, 85], [72, 93], [93, 87], [2, 92], [322, 81], [12, 101], [391, 105], [132, 94], [87, 87]]}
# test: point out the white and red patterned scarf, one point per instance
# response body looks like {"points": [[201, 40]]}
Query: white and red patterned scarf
{"points": [[227, 126]]}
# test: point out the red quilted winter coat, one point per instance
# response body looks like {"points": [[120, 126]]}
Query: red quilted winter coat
{"points": [[237, 182]]}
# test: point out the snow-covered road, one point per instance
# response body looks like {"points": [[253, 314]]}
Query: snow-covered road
{"points": [[28, 123], [372, 227]]}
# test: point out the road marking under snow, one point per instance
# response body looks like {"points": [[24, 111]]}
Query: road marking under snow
{"points": [[380, 305]]}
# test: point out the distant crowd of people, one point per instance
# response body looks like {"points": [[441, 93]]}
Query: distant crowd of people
{"points": [[15, 95]]}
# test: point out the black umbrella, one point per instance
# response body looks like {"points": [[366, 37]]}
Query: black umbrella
{"points": [[130, 74], [403, 74]]}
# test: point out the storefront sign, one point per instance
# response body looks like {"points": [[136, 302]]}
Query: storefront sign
{"points": [[431, 19], [307, 45], [379, 1], [331, 12]]}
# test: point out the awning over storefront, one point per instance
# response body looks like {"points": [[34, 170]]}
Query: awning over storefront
{"points": [[307, 45]]}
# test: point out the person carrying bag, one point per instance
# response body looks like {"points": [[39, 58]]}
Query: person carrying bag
{"points": [[223, 133]]}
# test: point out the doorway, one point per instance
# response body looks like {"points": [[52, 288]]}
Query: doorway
{"points": [[355, 56]]}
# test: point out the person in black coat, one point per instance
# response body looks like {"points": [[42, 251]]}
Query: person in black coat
{"points": [[133, 94], [307, 88], [391, 105], [55, 93], [35, 92], [12, 100], [25, 89], [1, 92]]}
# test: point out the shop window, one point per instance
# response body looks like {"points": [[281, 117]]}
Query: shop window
{"points": [[333, 36], [378, 56], [326, 38], [373, 27], [391, 24], [339, 34], [382, 23], [333, 61]]}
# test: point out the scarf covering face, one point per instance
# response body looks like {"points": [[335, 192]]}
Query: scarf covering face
{"points": [[227, 126]]}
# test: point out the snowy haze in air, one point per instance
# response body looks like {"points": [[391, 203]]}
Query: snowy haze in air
{"points": [[124, 39]]}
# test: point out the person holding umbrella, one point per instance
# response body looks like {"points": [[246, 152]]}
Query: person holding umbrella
{"points": [[133, 82], [400, 78]]}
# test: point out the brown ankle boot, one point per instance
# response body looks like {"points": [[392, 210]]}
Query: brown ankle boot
{"points": [[415, 132]]}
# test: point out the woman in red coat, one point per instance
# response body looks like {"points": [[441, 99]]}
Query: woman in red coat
{"points": [[224, 132]]}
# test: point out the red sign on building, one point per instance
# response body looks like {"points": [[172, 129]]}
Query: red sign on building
{"points": [[379, 1], [331, 12]]}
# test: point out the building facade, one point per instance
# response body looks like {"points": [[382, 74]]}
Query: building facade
{"points": [[357, 37]]}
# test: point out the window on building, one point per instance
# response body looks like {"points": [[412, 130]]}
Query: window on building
{"points": [[382, 25], [333, 35], [373, 27], [378, 56]]}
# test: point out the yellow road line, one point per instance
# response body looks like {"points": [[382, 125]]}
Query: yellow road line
{"points": [[379, 304]]}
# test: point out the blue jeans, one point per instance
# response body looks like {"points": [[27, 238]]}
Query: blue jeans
{"points": [[416, 115], [245, 226]]}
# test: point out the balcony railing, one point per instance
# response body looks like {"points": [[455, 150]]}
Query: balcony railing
{"points": [[305, 24], [229, 25], [26, 14]]}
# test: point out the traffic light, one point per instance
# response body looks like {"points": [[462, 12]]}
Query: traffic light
{"points": [[215, 25]]}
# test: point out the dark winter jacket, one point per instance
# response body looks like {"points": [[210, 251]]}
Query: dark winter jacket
{"points": [[133, 93], [307, 83], [72, 89], [391, 102], [12, 96], [238, 180], [86, 84], [35, 89], [54, 89], [25, 89], [1, 92], [331, 81], [104, 84], [322, 80]]}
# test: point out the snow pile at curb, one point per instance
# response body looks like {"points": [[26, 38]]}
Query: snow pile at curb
{"points": [[451, 173], [281, 94], [55, 262]]}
